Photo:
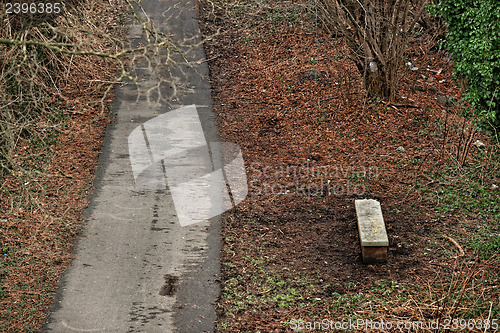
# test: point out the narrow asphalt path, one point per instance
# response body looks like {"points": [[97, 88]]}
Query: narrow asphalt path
{"points": [[136, 268]]}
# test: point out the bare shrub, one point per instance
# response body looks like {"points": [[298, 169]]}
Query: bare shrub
{"points": [[39, 55], [377, 32]]}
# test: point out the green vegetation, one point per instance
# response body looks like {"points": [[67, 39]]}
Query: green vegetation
{"points": [[265, 289], [469, 190], [473, 38]]}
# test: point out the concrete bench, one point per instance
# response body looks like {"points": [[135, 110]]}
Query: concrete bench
{"points": [[372, 233]]}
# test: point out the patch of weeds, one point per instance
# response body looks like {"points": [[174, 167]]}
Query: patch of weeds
{"points": [[385, 287], [260, 288], [357, 177], [467, 197], [285, 12], [438, 127], [485, 241], [468, 191], [343, 306], [252, 221], [264, 13]]}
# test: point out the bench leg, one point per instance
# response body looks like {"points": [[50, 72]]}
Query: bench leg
{"points": [[374, 254]]}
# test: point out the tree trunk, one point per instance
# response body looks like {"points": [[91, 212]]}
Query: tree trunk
{"points": [[377, 34], [378, 83]]}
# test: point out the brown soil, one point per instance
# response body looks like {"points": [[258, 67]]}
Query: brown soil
{"points": [[312, 142]]}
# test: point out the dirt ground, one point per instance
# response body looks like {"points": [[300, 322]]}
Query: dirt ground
{"points": [[286, 92]]}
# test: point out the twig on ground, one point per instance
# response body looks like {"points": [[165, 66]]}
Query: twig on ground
{"points": [[65, 175], [462, 253]]}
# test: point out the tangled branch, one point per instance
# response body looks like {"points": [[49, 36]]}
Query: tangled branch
{"points": [[377, 32], [37, 56]]}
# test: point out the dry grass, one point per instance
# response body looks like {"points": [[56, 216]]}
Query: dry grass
{"points": [[51, 127]]}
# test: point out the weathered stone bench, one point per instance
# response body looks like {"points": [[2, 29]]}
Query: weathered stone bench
{"points": [[372, 233]]}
